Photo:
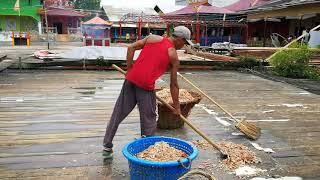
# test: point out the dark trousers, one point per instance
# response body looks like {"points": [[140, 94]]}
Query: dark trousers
{"points": [[131, 95]]}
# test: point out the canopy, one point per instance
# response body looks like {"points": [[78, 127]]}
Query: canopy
{"points": [[201, 9], [97, 21], [63, 12]]}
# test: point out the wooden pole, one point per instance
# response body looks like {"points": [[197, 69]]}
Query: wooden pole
{"points": [[198, 30], [264, 32], [299, 30], [120, 33], [47, 26], [206, 34]]}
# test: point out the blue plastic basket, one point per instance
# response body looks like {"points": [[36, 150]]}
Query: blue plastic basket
{"points": [[144, 170]]}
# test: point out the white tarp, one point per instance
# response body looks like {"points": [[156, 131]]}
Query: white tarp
{"points": [[314, 39], [94, 52]]}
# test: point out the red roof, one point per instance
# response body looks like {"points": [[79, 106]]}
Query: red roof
{"points": [[63, 12], [245, 4], [202, 9], [97, 20]]}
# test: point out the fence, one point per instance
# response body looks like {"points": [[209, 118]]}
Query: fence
{"points": [[75, 34]]}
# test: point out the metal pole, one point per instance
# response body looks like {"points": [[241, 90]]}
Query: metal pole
{"points": [[46, 19]]}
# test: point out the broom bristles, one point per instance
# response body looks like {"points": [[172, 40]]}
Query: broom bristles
{"points": [[249, 129]]}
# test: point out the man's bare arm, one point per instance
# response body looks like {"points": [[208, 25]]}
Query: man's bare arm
{"points": [[174, 87], [139, 45], [132, 48]]}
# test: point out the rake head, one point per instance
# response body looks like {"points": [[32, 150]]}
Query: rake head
{"points": [[249, 129]]}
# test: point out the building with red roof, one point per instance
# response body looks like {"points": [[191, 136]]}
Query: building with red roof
{"points": [[61, 16], [245, 4], [96, 32], [201, 9], [211, 24]]}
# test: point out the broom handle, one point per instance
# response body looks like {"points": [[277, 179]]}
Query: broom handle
{"points": [[181, 116], [217, 104]]}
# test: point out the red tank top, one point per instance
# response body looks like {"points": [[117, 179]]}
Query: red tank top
{"points": [[152, 62]]}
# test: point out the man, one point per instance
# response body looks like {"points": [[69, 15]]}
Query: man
{"points": [[306, 37], [157, 54]]}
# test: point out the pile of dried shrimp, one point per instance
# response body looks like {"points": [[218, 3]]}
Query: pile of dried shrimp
{"points": [[184, 96], [238, 154], [161, 152]]}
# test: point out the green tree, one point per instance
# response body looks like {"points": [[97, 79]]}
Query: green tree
{"points": [[87, 4]]}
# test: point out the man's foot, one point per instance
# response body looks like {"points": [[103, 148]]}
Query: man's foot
{"points": [[107, 153]]}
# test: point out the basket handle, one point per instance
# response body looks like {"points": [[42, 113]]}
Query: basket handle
{"points": [[184, 166]]}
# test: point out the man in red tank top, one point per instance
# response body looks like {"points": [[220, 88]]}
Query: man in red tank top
{"points": [[157, 55]]}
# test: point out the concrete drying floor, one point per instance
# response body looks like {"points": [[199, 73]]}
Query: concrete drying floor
{"points": [[52, 124]]}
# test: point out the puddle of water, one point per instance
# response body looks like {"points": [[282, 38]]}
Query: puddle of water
{"points": [[87, 92], [104, 87], [84, 88]]}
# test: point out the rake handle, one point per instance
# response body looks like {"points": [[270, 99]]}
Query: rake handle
{"points": [[203, 93], [180, 115]]}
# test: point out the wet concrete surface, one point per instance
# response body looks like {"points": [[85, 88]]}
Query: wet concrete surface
{"points": [[52, 123]]}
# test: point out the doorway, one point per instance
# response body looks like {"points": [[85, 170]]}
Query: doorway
{"points": [[59, 27]]}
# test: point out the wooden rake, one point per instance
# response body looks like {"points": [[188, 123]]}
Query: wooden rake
{"points": [[224, 155], [248, 129]]}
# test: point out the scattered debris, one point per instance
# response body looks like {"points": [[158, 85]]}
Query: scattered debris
{"points": [[207, 166], [281, 178], [161, 152], [184, 95], [257, 146], [270, 120], [268, 111], [304, 93], [293, 105], [237, 134], [238, 154], [202, 144], [248, 171], [44, 54], [271, 105]]}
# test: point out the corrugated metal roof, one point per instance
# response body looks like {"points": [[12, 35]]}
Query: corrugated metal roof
{"points": [[63, 12], [245, 4], [280, 4], [202, 9], [115, 14]]}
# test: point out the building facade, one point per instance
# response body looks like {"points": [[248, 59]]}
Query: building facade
{"points": [[19, 17], [61, 16], [287, 18]]}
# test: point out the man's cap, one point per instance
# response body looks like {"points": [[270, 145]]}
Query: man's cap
{"points": [[183, 32]]}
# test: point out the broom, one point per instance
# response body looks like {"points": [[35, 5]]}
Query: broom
{"points": [[224, 155], [248, 129]]}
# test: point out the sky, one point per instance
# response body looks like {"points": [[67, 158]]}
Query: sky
{"points": [[165, 5]]}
